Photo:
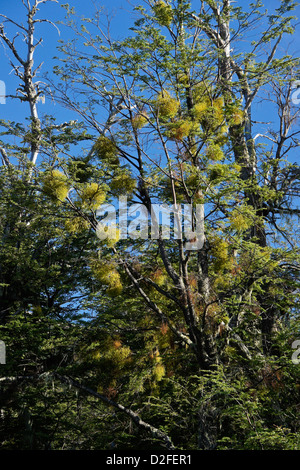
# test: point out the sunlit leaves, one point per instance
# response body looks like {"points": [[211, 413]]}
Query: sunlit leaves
{"points": [[56, 185], [163, 13]]}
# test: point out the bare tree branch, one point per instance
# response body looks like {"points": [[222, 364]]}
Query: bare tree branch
{"points": [[157, 433]]}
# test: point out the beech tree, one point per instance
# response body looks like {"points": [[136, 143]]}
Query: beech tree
{"points": [[178, 85], [189, 337]]}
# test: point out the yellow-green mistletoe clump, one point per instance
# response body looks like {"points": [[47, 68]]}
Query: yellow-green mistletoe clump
{"points": [[111, 355], [214, 152], [91, 196], [122, 183], [109, 235], [163, 13], [220, 252], [218, 172], [56, 185], [158, 371], [235, 115], [202, 101], [159, 276], [119, 355], [213, 118], [76, 225], [207, 111], [179, 130], [183, 78], [242, 218], [165, 105], [107, 274], [106, 150], [80, 170], [139, 120], [218, 109], [200, 109]]}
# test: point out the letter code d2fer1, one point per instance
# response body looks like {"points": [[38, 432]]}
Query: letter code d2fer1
{"points": [[170, 459]]}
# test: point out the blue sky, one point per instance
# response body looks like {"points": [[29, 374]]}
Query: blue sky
{"points": [[123, 19]]}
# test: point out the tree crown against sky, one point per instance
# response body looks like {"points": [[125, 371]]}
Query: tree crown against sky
{"points": [[171, 338]]}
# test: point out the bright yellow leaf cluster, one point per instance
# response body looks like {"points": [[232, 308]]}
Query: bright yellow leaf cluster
{"points": [[109, 235], [163, 13], [109, 353], [55, 185], [159, 277], [179, 130], [159, 372], [165, 105], [200, 109], [183, 78], [106, 150], [119, 356], [242, 218], [236, 116], [91, 196], [123, 184], [139, 121], [210, 113], [107, 274], [220, 252], [214, 152]]}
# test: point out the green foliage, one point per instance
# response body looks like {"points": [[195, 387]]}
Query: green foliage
{"points": [[220, 253], [76, 224], [91, 196], [179, 130], [56, 185], [139, 121], [122, 183], [242, 218], [214, 152], [165, 105], [106, 150], [80, 170], [163, 13], [107, 274]]}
